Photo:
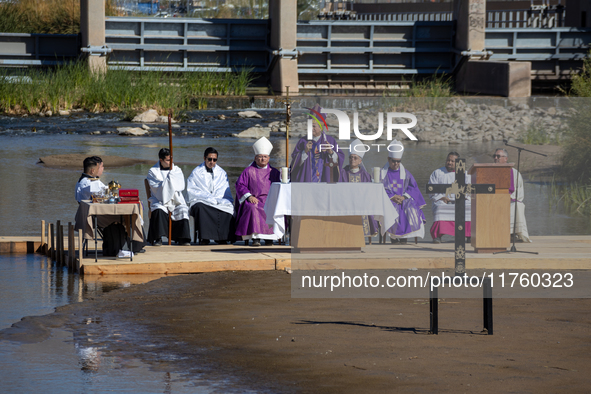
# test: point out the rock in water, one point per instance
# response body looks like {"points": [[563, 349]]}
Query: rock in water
{"points": [[255, 132], [150, 116], [132, 131], [249, 114]]}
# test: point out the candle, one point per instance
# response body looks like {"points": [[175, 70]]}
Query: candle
{"points": [[376, 174], [284, 175]]}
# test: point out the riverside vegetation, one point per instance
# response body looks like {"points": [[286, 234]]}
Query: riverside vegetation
{"points": [[74, 86]]}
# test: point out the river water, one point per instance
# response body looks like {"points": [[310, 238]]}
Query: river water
{"points": [[31, 285]]}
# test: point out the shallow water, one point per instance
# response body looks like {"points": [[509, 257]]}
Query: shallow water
{"points": [[77, 361], [31, 192]]}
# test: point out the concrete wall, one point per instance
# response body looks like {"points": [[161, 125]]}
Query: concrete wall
{"points": [[508, 79], [283, 14]]}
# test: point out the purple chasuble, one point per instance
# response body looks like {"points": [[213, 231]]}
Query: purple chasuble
{"points": [[410, 215], [313, 169], [250, 218], [370, 225]]}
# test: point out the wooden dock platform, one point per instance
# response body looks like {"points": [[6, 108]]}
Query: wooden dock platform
{"points": [[555, 252]]}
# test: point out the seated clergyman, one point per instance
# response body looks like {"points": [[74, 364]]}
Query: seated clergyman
{"points": [[166, 187], [405, 195], [355, 172], [444, 207], [210, 199], [252, 188], [517, 194], [89, 181]]}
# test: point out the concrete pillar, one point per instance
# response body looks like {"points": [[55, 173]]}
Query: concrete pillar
{"points": [[92, 31], [470, 17], [283, 15]]}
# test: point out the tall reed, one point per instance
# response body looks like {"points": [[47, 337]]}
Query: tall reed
{"points": [[73, 86]]}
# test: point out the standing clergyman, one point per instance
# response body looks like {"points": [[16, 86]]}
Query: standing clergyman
{"points": [[318, 159], [211, 200], [517, 195], [444, 216], [166, 187], [252, 188]]}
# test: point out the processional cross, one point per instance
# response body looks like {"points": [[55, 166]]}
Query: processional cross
{"points": [[460, 189], [287, 102]]}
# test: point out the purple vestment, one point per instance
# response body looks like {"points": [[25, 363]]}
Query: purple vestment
{"points": [[370, 225], [250, 218], [410, 215], [314, 168]]}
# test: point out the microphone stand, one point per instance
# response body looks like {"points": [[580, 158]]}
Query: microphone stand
{"points": [[519, 149]]}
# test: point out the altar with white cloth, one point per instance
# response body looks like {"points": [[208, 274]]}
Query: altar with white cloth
{"points": [[328, 216]]}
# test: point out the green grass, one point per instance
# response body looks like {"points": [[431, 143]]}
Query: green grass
{"points": [[575, 196], [536, 134], [426, 94], [73, 86]]}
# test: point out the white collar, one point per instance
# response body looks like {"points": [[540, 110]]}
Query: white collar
{"points": [[262, 168], [354, 170]]}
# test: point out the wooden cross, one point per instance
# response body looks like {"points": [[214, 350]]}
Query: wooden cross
{"points": [[460, 189]]}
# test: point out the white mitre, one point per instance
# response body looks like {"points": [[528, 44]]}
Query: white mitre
{"points": [[357, 148], [395, 150], [262, 147]]}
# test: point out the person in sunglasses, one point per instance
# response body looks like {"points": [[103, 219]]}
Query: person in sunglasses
{"points": [[405, 195], [166, 186], [210, 200], [517, 195]]}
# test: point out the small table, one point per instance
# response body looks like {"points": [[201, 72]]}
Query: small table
{"points": [[89, 212], [323, 208]]}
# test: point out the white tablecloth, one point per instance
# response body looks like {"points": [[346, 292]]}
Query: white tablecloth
{"points": [[324, 199]]}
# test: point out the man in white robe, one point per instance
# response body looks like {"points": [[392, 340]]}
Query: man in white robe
{"points": [[444, 212], [210, 200], [167, 187], [89, 182], [517, 194]]}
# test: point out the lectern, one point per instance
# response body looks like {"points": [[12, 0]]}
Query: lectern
{"points": [[491, 212]]}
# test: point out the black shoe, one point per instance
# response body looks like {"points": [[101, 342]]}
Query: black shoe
{"points": [[394, 241], [256, 242], [204, 242], [224, 242], [141, 251], [157, 242], [268, 242], [403, 241], [468, 239], [185, 243]]}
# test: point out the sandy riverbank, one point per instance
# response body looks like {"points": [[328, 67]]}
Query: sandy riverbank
{"points": [[245, 324]]}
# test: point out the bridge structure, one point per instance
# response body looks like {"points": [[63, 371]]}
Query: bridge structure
{"points": [[365, 53]]}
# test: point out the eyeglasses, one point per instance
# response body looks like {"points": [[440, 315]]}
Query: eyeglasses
{"points": [[498, 156], [394, 161], [214, 159]]}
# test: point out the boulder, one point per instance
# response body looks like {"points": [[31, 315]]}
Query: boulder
{"points": [[249, 114], [150, 116], [131, 131], [164, 119], [255, 132], [64, 113]]}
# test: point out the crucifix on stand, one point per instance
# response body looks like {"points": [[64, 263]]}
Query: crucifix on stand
{"points": [[461, 189]]}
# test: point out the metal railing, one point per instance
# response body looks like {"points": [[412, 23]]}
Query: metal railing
{"points": [[405, 16], [525, 18], [187, 44], [338, 47], [554, 53], [21, 49]]}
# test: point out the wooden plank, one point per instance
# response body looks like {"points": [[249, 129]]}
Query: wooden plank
{"points": [[179, 267], [327, 232]]}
